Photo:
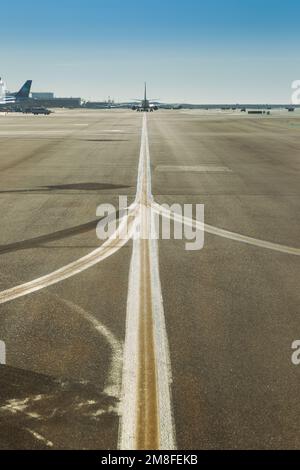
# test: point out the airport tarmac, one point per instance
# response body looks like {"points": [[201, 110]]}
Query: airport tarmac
{"points": [[230, 309]]}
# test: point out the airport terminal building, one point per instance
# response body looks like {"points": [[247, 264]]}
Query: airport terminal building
{"points": [[48, 100]]}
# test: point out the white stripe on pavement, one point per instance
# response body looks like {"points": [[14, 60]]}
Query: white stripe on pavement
{"points": [[109, 247], [146, 414], [159, 209]]}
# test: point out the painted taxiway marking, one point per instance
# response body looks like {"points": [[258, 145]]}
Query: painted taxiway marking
{"points": [[146, 418], [2, 352], [159, 209], [113, 380], [146, 421], [109, 247], [211, 168], [39, 437], [35, 132]]}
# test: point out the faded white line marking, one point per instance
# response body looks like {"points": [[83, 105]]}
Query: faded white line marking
{"points": [[39, 437], [35, 132], [225, 233], [111, 130], [164, 372], [113, 381], [146, 419], [109, 247], [212, 168], [2, 352]]}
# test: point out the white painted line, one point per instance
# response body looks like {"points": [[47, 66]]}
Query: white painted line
{"points": [[212, 168], [164, 373], [225, 233], [35, 132], [2, 352], [111, 130], [109, 247], [113, 382], [39, 437], [146, 414], [128, 407]]}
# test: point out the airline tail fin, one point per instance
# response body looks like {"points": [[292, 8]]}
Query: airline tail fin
{"points": [[25, 90]]}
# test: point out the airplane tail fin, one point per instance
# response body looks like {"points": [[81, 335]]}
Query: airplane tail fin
{"points": [[25, 90]]}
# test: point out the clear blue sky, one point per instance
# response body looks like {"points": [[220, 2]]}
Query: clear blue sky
{"points": [[191, 50]]}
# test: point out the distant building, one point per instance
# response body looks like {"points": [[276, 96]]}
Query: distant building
{"points": [[48, 95], [57, 102]]}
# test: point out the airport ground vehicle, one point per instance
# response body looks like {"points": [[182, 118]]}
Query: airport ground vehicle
{"points": [[38, 110]]}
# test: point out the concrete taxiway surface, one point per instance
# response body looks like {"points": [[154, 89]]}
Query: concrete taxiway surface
{"points": [[230, 309]]}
